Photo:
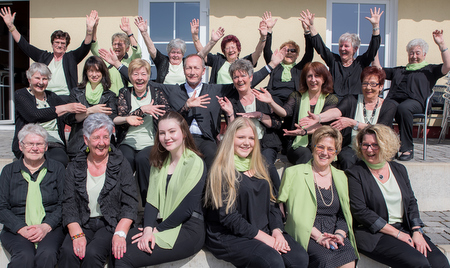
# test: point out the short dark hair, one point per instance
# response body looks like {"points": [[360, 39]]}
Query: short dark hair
{"points": [[58, 34], [230, 38], [322, 71], [97, 63], [374, 71]]}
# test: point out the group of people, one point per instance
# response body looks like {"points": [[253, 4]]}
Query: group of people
{"points": [[75, 203]]}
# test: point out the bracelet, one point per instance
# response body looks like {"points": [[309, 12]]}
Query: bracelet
{"points": [[306, 132], [12, 29], [444, 50], [376, 29], [229, 116], [195, 40], [398, 234], [78, 236], [264, 40], [307, 32], [318, 239], [261, 117], [130, 35], [341, 235]]}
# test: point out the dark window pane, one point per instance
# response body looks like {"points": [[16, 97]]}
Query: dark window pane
{"points": [[162, 47], [335, 49], [161, 21], [345, 19], [366, 27], [186, 11]]}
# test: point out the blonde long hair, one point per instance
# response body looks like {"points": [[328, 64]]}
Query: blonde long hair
{"points": [[223, 181]]}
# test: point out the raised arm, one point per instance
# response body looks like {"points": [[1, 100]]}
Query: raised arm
{"points": [[8, 18], [261, 43], [195, 26], [143, 26], [438, 37], [126, 28], [308, 19], [91, 20], [270, 23], [215, 37], [375, 16]]}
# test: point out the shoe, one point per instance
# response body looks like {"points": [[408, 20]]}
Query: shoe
{"points": [[406, 157]]}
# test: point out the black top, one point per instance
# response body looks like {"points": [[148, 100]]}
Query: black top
{"points": [[369, 208], [117, 199], [70, 59], [76, 140], [14, 189], [416, 85], [348, 106], [216, 62], [253, 211], [27, 112], [192, 202], [276, 87], [162, 66], [346, 80]]}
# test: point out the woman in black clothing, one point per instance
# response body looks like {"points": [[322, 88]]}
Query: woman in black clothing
{"points": [[244, 223], [314, 96], [411, 86], [245, 104], [37, 105], [93, 92], [354, 113], [387, 224], [31, 192], [345, 68], [285, 78], [138, 110], [175, 192]]}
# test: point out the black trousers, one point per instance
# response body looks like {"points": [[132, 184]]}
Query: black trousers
{"points": [[207, 147], [98, 248], [25, 255], [395, 253], [140, 163], [404, 118], [190, 240], [301, 155]]}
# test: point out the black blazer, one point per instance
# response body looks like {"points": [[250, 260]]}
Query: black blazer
{"points": [[369, 208]]}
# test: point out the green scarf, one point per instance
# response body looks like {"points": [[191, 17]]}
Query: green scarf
{"points": [[416, 66], [93, 96], [34, 209], [375, 166], [303, 112], [186, 175], [242, 164], [286, 75]]}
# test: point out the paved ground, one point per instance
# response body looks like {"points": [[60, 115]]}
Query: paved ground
{"points": [[437, 223]]}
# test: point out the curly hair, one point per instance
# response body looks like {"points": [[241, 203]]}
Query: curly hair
{"points": [[321, 70], [387, 139], [230, 38], [374, 71], [292, 43], [327, 131]]}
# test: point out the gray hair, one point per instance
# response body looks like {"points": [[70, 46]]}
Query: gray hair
{"points": [[241, 65], [417, 42], [35, 129], [122, 37], [176, 43], [97, 121], [352, 38], [39, 67]]}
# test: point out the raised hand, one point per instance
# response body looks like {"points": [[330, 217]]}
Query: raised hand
{"points": [[270, 22], [307, 18], [277, 57], [438, 37], [216, 35], [262, 95], [375, 16], [262, 28], [8, 18], [141, 24], [225, 105], [125, 25], [91, 20], [195, 26], [109, 56]]}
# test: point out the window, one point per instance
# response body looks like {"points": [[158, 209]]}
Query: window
{"points": [[349, 16], [170, 19]]}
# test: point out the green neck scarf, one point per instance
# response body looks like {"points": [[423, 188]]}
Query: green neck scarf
{"points": [[302, 141], [416, 66], [93, 96], [375, 166], [242, 164], [186, 175], [286, 75]]}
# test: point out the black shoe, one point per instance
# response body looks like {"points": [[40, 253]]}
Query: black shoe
{"points": [[406, 157]]}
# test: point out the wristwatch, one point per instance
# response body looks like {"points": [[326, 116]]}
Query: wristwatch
{"points": [[355, 127], [420, 230], [121, 234]]}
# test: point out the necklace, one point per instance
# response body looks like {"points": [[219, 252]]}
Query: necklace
{"points": [[140, 98], [377, 174], [370, 122], [315, 170], [318, 188]]}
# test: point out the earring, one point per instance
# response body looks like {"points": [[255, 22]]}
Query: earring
{"points": [[87, 150], [109, 149]]}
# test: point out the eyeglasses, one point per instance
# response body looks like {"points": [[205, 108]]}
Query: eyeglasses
{"points": [[292, 50], [372, 84], [374, 146], [28, 145], [329, 150]]}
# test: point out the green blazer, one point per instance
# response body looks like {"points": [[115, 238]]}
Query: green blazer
{"points": [[298, 192]]}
